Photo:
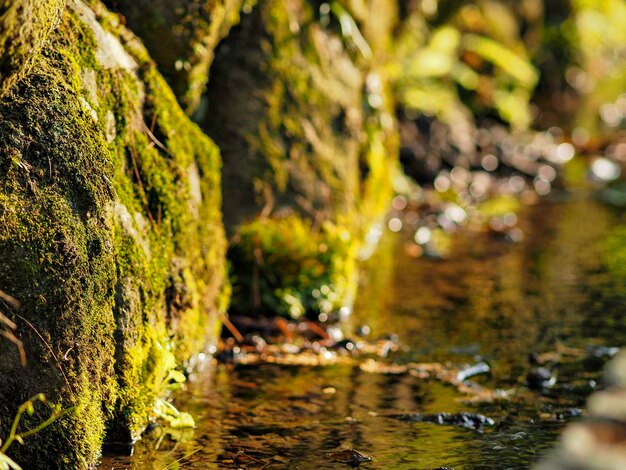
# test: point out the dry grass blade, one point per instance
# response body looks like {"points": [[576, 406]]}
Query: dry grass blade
{"points": [[8, 334], [43, 340], [10, 300], [20, 346]]}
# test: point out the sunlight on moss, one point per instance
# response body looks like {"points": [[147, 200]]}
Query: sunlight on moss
{"points": [[289, 267]]}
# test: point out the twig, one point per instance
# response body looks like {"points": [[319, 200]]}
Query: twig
{"points": [[233, 330], [268, 206], [283, 326], [315, 328], [312, 211], [7, 321], [156, 141], [154, 119], [11, 337], [256, 283], [176, 462], [67, 382], [12, 301], [20, 346]]}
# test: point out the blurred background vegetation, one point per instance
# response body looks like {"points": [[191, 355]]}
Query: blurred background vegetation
{"points": [[513, 98], [527, 63]]}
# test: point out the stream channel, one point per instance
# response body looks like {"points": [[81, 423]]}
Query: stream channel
{"points": [[560, 292]]}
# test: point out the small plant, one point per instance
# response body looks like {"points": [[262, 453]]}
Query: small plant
{"points": [[287, 266], [167, 378], [175, 419], [28, 407]]}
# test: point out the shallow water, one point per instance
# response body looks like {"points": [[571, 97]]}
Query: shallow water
{"points": [[560, 289]]}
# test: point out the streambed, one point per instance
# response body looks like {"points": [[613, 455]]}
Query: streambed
{"points": [[559, 293]]}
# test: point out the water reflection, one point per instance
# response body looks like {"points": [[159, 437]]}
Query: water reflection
{"points": [[558, 291]]}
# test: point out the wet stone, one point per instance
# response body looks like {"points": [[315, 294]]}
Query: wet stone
{"points": [[540, 378], [610, 403], [595, 437], [349, 457], [471, 371], [602, 351], [616, 370], [464, 420]]}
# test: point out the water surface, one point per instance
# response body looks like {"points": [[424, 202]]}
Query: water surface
{"points": [[562, 289]]}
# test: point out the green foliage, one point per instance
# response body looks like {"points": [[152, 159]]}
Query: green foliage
{"points": [[287, 266], [465, 66], [597, 34], [164, 378], [28, 408], [470, 59], [175, 419]]}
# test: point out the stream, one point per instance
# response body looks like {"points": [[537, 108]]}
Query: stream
{"points": [[557, 293]]}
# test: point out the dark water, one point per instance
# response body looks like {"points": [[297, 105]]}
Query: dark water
{"points": [[563, 288]]}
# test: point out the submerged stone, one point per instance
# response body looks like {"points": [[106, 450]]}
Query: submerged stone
{"points": [[463, 419], [349, 456]]}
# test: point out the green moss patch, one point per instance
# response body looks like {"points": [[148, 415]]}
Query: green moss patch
{"points": [[110, 237], [288, 267], [24, 28]]}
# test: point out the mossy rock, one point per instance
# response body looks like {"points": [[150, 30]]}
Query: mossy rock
{"points": [[24, 28], [181, 36], [110, 233], [288, 104], [289, 101]]}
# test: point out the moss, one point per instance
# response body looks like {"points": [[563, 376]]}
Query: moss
{"points": [[24, 27], [110, 237], [57, 260], [193, 29], [300, 141], [288, 267]]}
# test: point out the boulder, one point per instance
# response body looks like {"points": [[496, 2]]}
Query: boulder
{"points": [[111, 240]]}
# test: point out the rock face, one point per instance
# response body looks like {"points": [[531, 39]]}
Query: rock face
{"points": [[300, 113], [297, 102], [111, 237], [181, 36], [294, 131], [23, 35]]}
